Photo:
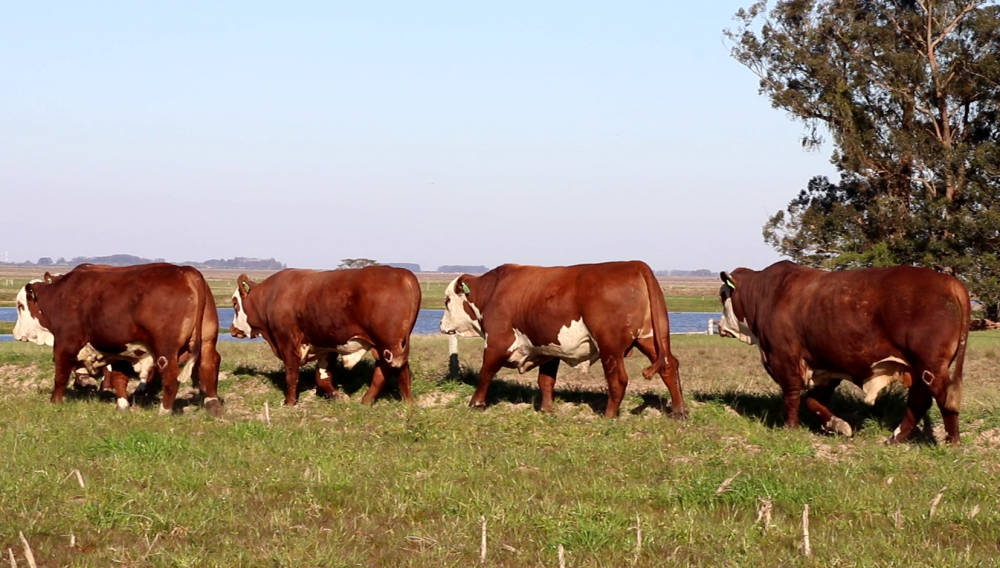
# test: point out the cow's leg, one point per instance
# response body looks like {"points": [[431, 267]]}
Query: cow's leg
{"points": [[106, 382], [928, 385], [547, 382], [291, 380], [817, 400], [670, 377], [119, 383], [949, 416], [404, 378], [378, 381], [937, 378], [169, 369], [789, 378], [493, 360], [64, 366], [324, 380], [614, 372], [208, 378], [917, 402]]}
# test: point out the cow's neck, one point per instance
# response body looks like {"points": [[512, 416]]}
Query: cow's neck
{"points": [[481, 289]]}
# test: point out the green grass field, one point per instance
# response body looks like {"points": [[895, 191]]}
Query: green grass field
{"points": [[337, 484]]}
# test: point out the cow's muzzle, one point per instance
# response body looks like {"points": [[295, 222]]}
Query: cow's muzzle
{"points": [[236, 332]]}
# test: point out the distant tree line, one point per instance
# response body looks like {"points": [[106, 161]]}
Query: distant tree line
{"points": [[701, 272], [237, 263]]}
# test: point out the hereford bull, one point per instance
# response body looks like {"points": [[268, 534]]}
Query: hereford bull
{"points": [[154, 316], [305, 315], [532, 316], [872, 327]]}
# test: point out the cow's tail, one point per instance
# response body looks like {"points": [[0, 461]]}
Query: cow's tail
{"points": [[660, 322], [194, 347], [953, 396]]}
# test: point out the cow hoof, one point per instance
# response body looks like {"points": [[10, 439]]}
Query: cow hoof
{"points": [[122, 404], [340, 397], [679, 414], [837, 426], [477, 405], [213, 406]]}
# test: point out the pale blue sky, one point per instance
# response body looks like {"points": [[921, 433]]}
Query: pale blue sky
{"points": [[429, 132]]}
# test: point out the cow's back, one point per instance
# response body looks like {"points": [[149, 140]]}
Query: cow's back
{"points": [[534, 299], [112, 306], [331, 307]]}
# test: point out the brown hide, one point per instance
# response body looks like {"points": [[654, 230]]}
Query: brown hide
{"points": [[843, 322], [168, 308], [617, 301], [325, 310]]}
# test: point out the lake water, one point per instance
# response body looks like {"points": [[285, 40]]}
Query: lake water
{"points": [[427, 322]]}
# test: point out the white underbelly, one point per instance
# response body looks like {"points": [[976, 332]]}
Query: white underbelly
{"points": [[138, 354], [574, 346], [883, 373], [351, 353]]}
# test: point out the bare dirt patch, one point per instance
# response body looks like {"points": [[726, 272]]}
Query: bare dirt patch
{"points": [[435, 399], [14, 376], [830, 452], [988, 438]]}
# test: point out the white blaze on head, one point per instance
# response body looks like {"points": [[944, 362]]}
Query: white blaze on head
{"points": [[240, 321], [739, 329], [28, 328], [456, 320]]}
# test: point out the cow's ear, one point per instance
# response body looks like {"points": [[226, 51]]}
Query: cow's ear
{"points": [[460, 285], [244, 284], [29, 291], [727, 280], [47, 278]]}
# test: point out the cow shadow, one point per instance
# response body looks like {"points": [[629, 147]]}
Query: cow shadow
{"points": [[652, 400], [90, 391], [769, 409], [348, 381], [515, 392]]}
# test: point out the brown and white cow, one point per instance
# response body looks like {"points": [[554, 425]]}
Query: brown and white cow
{"points": [[154, 316], [307, 315], [533, 316], [872, 327]]}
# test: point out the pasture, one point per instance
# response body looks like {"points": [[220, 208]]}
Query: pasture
{"points": [[337, 484], [682, 294]]}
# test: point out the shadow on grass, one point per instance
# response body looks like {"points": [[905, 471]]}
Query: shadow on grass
{"points": [[769, 409], [654, 401], [515, 392], [149, 397], [348, 381]]}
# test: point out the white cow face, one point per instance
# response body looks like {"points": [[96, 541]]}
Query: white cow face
{"points": [[730, 324], [28, 327], [461, 316], [240, 327]]}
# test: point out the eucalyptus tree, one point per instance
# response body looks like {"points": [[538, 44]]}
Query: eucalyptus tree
{"points": [[908, 91]]}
